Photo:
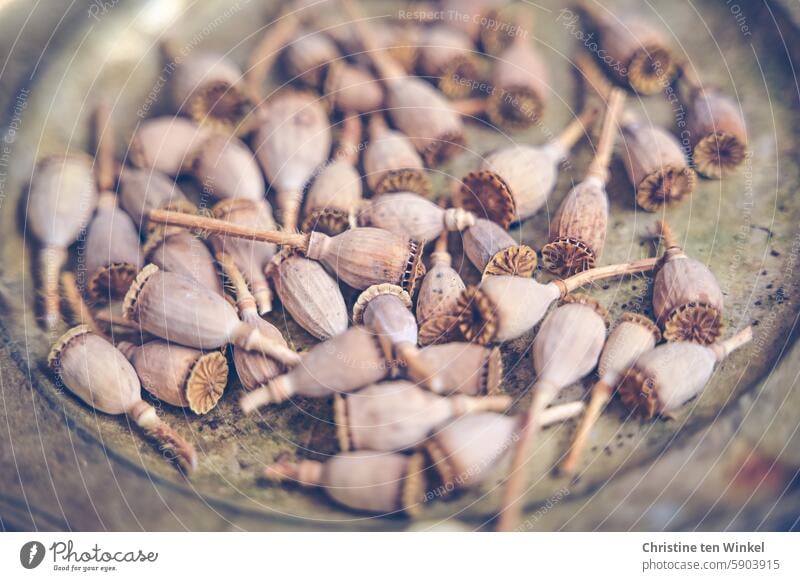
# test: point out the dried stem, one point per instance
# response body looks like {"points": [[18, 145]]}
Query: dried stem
{"points": [[575, 281], [104, 167], [388, 70], [276, 391], [255, 340], [275, 38], [305, 472], [576, 128], [81, 313], [409, 355], [666, 234], [601, 393], [168, 439], [245, 302], [51, 261], [593, 76], [731, 344], [349, 139], [605, 145], [469, 107], [118, 321]]}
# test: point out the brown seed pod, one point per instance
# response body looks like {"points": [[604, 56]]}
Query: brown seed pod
{"points": [[664, 379], [342, 364], [143, 190], [493, 251], [167, 144], [514, 183], [399, 415], [412, 215], [465, 368], [100, 375], [224, 167], [181, 252], [391, 163], [352, 89], [291, 142], [633, 336], [578, 229], [361, 257], [61, 200], [687, 300], [307, 58], [174, 307], [335, 192], [364, 481], [178, 375], [441, 285], [447, 57], [250, 257]]}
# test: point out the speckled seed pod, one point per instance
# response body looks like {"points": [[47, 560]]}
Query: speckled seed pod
{"points": [[441, 286], [61, 200], [224, 167], [493, 251], [687, 300], [335, 192], [352, 89], [181, 252], [412, 215], [250, 257], [167, 144], [100, 375], [447, 57], [633, 336], [464, 368], [514, 183], [343, 364], [178, 375], [143, 190], [307, 58], [391, 163], [365, 481], [293, 140], [578, 229], [664, 379], [176, 308], [398, 415]]}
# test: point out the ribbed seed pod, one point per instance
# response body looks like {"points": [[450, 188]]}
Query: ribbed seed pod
{"points": [[352, 89], [175, 308], [391, 163], [364, 481], [441, 286], [178, 375], [464, 368], [664, 379], [398, 415], [335, 192], [447, 57], [100, 375], [291, 142], [493, 251], [142, 190], [224, 167], [61, 200], [514, 183], [343, 364], [687, 300], [633, 336], [412, 215], [307, 58], [167, 144], [250, 257], [181, 252], [578, 229]]}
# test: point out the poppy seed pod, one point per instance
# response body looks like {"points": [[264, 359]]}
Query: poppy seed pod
{"points": [[664, 379], [578, 229], [391, 163], [364, 481], [142, 190], [493, 251], [100, 375], [167, 144], [472, 17], [633, 336], [441, 286], [352, 89], [687, 300], [398, 415], [224, 167], [447, 57], [514, 183], [181, 376], [181, 252], [342, 364], [412, 215], [174, 307], [61, 200], [307, 58], [464, 368], [291, 142], [250, 257]]}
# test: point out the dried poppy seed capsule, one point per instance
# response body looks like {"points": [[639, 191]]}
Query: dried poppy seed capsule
{"points": [[398, 415], [181, 252], [307, 58], [578, 229], [224, 167], [365, 481], [61, 201], [391, 163], [143, 190], [167, 144], [465, 368], [514, 183], [386, 310], [441, 286], [176, 308], [178, 375], [99, 374], [250, 257], [633, 336], [352, 89], [335, 192], [344, 363], [493, 251], [291, 142], [414, 216], [687, 300], [447, 57], [664, 379]]}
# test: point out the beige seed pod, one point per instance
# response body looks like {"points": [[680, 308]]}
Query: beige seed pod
{"points": [[174, 307], [493, 251], [307, 58], [344, 363], [181, 252], [250, 257], [447, 57], [633, 336], [412, 215], [687, 300], [352, 89], [181, 376], [61, 200], [167, 144], [364, 481], [142, 190], [441, 286], [100, 375], [664, 379], [399, 415], [391, 163], [578, 228], [514, 183], [465, 368], [224, 167], [293, 139]]}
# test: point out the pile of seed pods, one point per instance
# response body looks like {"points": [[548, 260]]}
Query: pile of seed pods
{"points": [[324, 209]]}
